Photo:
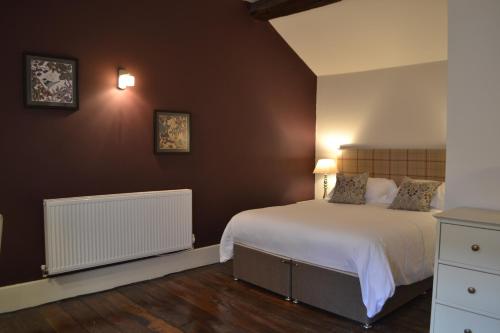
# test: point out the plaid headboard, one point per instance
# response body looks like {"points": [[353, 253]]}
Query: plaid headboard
{"points": [[394, 163]]}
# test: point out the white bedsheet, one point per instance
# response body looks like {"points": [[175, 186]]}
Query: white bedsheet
{"points": [[383, 247]]}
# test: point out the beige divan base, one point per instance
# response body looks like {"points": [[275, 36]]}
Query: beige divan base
{"points": [[330, 290]]}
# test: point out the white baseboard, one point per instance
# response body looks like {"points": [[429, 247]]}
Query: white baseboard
{"points": [[29, 294]]}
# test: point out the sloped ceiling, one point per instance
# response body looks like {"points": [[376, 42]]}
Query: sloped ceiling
{"points": [[360, 35]]}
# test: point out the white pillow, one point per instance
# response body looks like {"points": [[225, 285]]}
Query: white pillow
{"points": [[389, 197], [437, 199], [378, 188]]}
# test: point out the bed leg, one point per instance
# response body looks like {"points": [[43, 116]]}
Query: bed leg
{"points": [[367, 326], [288, 299], [295, 301]]}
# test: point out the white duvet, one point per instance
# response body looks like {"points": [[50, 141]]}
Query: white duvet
{"points": [[383, 247]]}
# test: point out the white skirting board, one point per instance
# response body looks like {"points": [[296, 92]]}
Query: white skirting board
{"points": [[29, 294]]}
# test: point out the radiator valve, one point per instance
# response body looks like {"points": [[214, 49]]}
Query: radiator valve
{"points": [[45, 272]]}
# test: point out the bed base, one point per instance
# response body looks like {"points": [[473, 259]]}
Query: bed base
{"points": [[330, 290], [264, 270]]}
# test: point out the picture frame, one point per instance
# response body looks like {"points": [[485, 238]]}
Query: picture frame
{"points": [[172, 132], [50, 82]]}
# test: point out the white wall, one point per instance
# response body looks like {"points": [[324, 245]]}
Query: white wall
{"points": [[360, 35], [403, 107], [473, 161]]}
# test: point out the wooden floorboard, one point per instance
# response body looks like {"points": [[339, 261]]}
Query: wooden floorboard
{"points": [[201, 300]]}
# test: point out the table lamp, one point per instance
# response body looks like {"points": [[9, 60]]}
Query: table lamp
{"points": [[325, 166]]}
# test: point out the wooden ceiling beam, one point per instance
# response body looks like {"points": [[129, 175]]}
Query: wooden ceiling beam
{"points": [[268, 9]]}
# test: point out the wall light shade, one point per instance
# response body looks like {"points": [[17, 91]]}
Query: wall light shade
{"points": [[125, 79], [325, 166]]}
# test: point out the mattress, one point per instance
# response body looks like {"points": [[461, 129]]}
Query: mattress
{"points": [[383, 247]]}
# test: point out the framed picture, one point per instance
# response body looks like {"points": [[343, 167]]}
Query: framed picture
{"points": [[172, 132], [50, 82]]}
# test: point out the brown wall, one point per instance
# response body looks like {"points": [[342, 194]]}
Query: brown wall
{"points": [[252, 102]]}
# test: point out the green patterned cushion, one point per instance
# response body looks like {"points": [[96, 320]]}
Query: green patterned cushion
{"points": [[350, 189], [415, 195]]}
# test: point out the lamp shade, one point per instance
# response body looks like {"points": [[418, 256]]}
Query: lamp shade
{"points": [[125, 79], [325, 166]]}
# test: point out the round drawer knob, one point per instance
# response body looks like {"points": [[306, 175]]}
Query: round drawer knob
{"points": [[467, 330], [471, 290], [475, 247]]}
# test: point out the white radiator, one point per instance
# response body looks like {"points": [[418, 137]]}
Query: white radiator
{"points": [[85, 232]]}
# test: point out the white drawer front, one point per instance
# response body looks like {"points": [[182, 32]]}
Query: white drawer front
{"points": [[453, 288], [450, 320], [457, 243]]}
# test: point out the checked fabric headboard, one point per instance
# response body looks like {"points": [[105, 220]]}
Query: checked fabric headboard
{"points": [[393, 163]]}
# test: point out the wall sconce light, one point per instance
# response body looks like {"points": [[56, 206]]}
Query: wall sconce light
{"points": [[125, 79]]}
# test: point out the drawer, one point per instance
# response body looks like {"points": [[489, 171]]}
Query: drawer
{"points": [[472, 246], [262, 269], [333, 291], [450, 320], [453, 288]]}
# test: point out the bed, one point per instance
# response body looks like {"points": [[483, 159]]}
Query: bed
{"points": [[358, 261]]}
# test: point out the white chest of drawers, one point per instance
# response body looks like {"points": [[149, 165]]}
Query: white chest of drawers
{"points": [[466, 294]]}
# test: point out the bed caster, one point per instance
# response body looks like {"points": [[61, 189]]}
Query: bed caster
{"points": [[288, 299], [295, 301], [367, 326], [235, 278]]}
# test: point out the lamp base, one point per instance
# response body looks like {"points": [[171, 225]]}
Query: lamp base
{"points": [[325, 186]]}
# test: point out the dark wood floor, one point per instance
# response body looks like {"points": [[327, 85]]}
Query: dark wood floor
{"points": [[200, 300]]}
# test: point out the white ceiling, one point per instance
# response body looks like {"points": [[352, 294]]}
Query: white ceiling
{"points": [[360, 35]]}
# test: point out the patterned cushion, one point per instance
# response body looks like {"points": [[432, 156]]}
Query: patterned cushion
{"points": [[350, 189], [415, 195]]}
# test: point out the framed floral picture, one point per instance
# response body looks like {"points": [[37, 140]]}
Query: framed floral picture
{"points": [[172, 132], [50, 82]]}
